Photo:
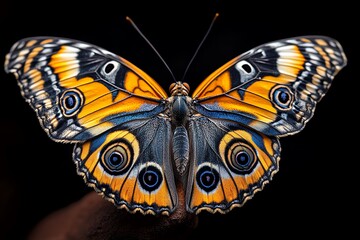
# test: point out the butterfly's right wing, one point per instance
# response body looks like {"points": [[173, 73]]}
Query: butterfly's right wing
{"points": [[131, 166], [111, 109], [79, 90]]}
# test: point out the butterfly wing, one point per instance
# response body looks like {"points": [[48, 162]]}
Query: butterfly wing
{"points": [[79, 90], [130, 165], [244, 107], [87, 95], [273, 88], [230, 163]]}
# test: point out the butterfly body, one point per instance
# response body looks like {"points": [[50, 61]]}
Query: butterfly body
{"points": [[134, 143], [180, 112]]}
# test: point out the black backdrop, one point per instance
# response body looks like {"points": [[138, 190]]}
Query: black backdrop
{"points": [[312, 192]]}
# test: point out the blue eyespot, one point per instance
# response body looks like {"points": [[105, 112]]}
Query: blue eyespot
{"points": [[116, 158], [71, 102], [207, 178], [282, 97], [150, 178], [243, 159], [240, 157]]}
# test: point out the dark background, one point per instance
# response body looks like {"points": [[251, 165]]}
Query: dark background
{"points": [[311, 195]]}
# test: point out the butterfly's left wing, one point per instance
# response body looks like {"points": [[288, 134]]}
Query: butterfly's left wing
{"points": [[244, 107], [230, 162], [275, 87]]}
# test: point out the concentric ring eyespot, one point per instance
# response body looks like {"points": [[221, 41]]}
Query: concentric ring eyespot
{"points": [[150, 178], [110, 67], [116, 158], [207, 178], [71, 102], [240, 157], [282, 97]]}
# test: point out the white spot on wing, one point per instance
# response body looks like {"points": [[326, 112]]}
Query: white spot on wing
{"points": [[46, 50], [245, 76], [310, 50], [82, 45], [332, 43], [20, 45], [17, 66], [63, 41], [42, 58], [293, 41], [308, 44], [314, 57], [24, 52], [275, 44], [224, 173]]}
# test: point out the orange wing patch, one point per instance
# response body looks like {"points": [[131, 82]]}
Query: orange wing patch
{"points": [[218, 82], [145, 85]]}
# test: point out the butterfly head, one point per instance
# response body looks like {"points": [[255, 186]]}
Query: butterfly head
{"points": [[179, 89]]}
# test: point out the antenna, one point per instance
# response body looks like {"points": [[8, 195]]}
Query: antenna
{"points": [[201, 43], [143, 36]]}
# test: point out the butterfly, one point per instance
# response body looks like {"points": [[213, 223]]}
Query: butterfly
{"points": [[135, 144]]}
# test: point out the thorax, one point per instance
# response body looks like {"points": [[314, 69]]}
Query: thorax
{"points": [[179, 103]]}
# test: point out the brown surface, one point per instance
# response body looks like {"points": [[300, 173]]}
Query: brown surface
{"points": [[92, 217]]}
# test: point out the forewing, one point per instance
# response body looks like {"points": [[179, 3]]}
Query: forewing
{"points": [[79, 90], [273, 88]]}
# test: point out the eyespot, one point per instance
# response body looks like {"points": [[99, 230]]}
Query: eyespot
{"points": [[246, 70], [207, 178], [240, 157], [245, 67], [110, 68], [150, 178], [282, 97], [71, 102], [117, 157]]}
